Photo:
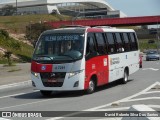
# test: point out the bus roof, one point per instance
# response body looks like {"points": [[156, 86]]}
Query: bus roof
{"points": [[83, 29]]}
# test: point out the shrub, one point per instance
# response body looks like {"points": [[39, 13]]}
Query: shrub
{"points": [[33, 31], [8, 56], [4, 34]]}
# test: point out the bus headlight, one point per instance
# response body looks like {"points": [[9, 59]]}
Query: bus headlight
{"points": [[35, 74], [74, 73]]}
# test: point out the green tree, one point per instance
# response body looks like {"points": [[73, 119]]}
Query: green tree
{"points": [[8, 10]]}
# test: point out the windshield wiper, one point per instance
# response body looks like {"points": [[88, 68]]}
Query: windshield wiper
{"points": [[45, 56]]}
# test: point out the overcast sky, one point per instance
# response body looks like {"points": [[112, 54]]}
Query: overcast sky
{"points": [[137, 7]]}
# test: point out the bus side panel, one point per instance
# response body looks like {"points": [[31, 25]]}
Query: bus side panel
{"points": [[97, 66], [135, 64], [118, 62]]}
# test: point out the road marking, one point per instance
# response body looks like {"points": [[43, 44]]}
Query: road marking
{"points": [[16, 84], [150, 69], [25, 104], [113, 109], [142, 92], [124, 108], [109, 104], [152, 92], [11, 95], [17, 94], [127, 98], [139, 99], [4, 119], [154, 106]]}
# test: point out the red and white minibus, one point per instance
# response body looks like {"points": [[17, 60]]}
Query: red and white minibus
{"points": [[82, 58]]}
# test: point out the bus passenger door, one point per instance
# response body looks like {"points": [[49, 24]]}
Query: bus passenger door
{"points": [[91, 59]]}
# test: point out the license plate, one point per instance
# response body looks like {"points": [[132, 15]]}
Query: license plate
{"points": [[52, 80]]}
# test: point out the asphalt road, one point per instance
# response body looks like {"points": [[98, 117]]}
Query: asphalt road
{"points": [[13, 74], [143, 88]]}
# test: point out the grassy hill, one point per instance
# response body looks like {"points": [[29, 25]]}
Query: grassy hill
{"points": [[18, 48], [17, 24]]}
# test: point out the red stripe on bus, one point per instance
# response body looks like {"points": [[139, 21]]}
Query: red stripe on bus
{"points": [[36, 67], [95, 30], [99, 67]]}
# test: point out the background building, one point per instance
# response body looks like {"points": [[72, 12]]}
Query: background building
{"points": [[76, 8]]}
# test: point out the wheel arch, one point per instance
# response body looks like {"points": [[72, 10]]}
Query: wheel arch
{"points": [[94, 78]]}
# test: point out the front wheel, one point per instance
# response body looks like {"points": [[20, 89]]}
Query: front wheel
{"points": [[125, 77], [92, 86], [46, 93]]}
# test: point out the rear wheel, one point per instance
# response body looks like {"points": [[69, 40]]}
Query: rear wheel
{"points": [[125, 77], [46, 93], [92, 86]]}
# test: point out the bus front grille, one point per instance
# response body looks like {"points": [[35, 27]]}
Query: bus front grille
{"points": [[53, 79]]}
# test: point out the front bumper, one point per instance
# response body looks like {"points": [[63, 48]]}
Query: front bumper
{"points": [[67, 84]]}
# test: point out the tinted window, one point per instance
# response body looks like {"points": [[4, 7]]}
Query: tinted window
{"points": [[100, 43], [118, 38], [90, 44], [133, 41], [111, 43], [126, 42], [119, 43]]}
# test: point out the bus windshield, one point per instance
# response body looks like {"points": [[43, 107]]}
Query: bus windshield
{"points": [[59, 47]]}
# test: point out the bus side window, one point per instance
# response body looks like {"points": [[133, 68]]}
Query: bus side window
{"points": [[119, 44], [91, 48], [126, 42], [133, 41], [100, 43], [111, 43], [136, 41]]}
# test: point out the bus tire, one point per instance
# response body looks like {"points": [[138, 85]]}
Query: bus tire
{"points": [[46, 93], [140, 66], [124, 80], [92, 86]]}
